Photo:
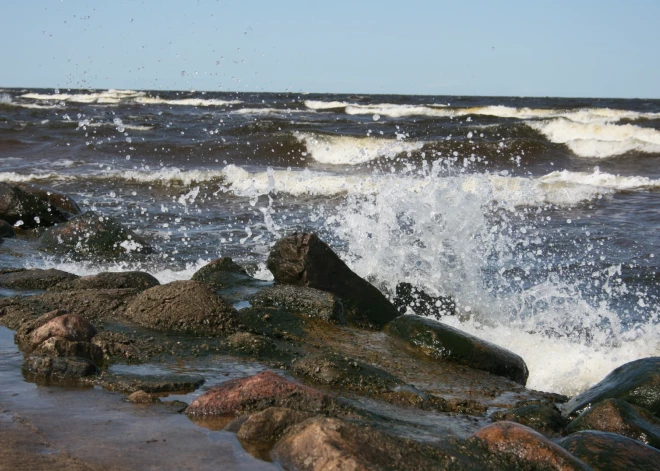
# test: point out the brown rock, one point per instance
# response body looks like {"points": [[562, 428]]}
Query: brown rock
{"points": [[60, 347], [142, 397], [136, 280], [67, 326], [541, 417], [51, 368], [94, 304], [269, 425], [308, 302], [305, 260], [34, 278]]}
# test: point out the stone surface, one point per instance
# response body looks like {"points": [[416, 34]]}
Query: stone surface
{"points": [[541, 417], [184, 306], [51, 368], [68, 326], [305, 260], [221, 273], [142, 397], [617, 416], [637, 382], [109, 280], [93, 304], [54, 198], [605, 451], [21, 208], [421, 303], [302, 300], [60, 347], [269, 425], [441, 341], [251, 344], [33, 278], [168, 383], [6, 230], [93, 234]]}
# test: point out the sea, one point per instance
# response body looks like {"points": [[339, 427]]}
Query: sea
{"points": [[539, 216]]}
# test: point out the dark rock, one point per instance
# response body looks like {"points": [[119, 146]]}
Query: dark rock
{"points": [[441, 341], [259, 392], [49, 368], [94, 304], [93, 234], [170, 383], [531, 448], [637, 382], [18, 205], [184, 306], [605, 451], [272, 322], [68, 326], [421, 303], [136, 280], [142, 397], [59, 347], [251, 344], [221, 272], [617, 416], [305, 260], [6, 230], [54, 198], [301, 300], [115, 345], [541, 417], [34, 278], [269, 425]]}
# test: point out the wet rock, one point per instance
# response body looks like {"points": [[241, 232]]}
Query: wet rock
{"points": [[54, 198], [6, 230], [184, 306], [136, 280], [541, 417], [269, 424], [531, 448], [151, 384], [637, 382], [251, 344], [142, 397], [59, 347], [93, 234], [94, 304], [273, 322], [605, 451], [113, 348], [50, 368], [302, 300], [441, 341], [34, 278], [421, 303], [18, 207], [305, 260], [259, 392], [617, 416], [221, 273], [68, 326]]}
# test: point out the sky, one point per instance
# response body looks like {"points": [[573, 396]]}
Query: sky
{"points": [[575, 48]]}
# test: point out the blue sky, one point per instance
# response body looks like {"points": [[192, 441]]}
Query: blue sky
{"points": [[521, 48]]}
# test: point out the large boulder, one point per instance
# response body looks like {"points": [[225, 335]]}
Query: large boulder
{"points": [[55, 199], [305, 260], [93, 304], [23, 209], [184, 306], [617, 416], [33, 279], [61, 347], [110, 280], [68, 326], [93, 234], [302, 300], [441, 341], [605, 451], [637, 382]]}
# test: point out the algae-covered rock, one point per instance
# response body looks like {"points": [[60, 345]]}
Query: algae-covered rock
{"points": [[302, 300], [46, 368]]}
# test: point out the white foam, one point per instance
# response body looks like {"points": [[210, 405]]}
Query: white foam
{"points": [[186, 101], [599, 140], [345, 150], [5, 99], [267, 111], [17, 177], [325, 105], [103, 97], [167, 175]]}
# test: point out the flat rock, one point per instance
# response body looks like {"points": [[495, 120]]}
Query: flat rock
{"points": [[151, 384], [305, 260], [302, 300], [68, 326], [441, 341], [34, 278], [18, 207], [605, 451], [136, 280], [51, 368], [184, 306], [637, 382]]}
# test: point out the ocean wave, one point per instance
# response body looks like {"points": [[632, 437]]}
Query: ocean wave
{"points": [[325, 105], [146, 100], [268, 111], [346, 150], [104, 97], [599, 140], [18, 177], [130, 127]]}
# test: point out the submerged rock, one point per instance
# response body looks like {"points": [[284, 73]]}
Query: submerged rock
{"points": [[136, 280], [637, 382], [6, 230], [444, 342], [421, 303], [33, 278], [184, 306], [305, 260], [51, 368], [165, 383], [605, 451], [68, 326], [20, 208], [302, 300]]}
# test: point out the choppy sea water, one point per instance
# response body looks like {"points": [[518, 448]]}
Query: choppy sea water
{"points": [[540, 216]]}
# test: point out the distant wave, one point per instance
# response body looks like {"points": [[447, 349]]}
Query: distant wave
{"points": [[345, 150], [268, 111], [186, 101], [325, 105], [122, 96]]}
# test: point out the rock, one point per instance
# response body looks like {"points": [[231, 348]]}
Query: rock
{"points": [[441, 341], [272, 322], [617, 416], [6, 230], [221, 272], [142, 397], [18, 207], [605, 451], [94, 304], [421, 303], [59, 347], [269, 424], [541, 417], [168, 383], [302, 300], [637, 382], [67, 326], [305, 260], [531, 448], [34, 278], [93, 234], [184, 306], [55, 199], [49, 368], [136, 280], [251, 344], [259, 392]]}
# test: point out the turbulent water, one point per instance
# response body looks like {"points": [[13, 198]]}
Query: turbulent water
{"points": [[540, 216]]}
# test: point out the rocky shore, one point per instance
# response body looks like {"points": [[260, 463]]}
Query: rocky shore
{"points": [[349, 380]]}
